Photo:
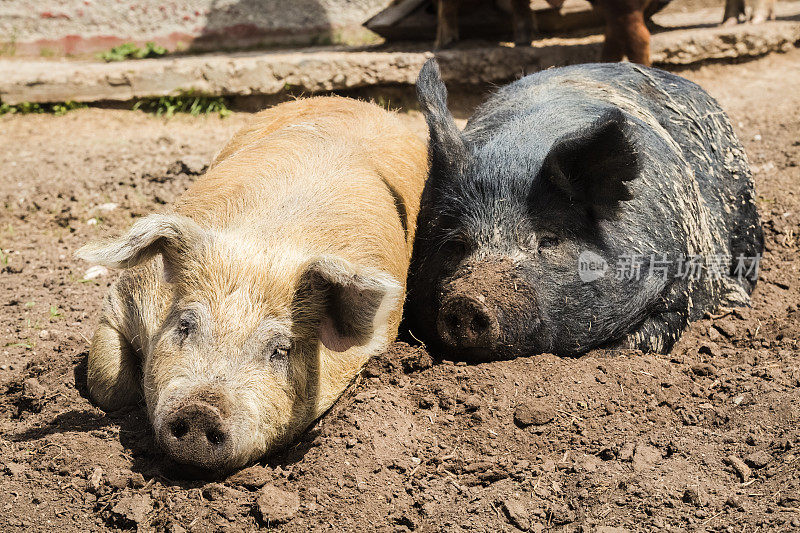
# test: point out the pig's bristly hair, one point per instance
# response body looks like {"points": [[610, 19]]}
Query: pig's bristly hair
{"points": [[446, 144]]}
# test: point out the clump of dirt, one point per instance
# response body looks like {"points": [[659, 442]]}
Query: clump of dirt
{"points": [[706, 438], [494, 281]]}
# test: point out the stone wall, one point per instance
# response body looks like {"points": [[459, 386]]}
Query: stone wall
{"points": [[58, 27]]}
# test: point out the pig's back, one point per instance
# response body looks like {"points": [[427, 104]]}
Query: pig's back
{"points": [[721, 169], [681, 109], [328, 175]]}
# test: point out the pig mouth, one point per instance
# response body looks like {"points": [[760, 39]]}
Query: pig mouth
{"points": [[488, 312]]}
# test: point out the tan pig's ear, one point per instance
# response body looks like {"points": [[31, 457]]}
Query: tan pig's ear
{"points": [[172, 236], [354, 303]]}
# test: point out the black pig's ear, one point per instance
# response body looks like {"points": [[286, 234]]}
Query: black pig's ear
{"points": [[592, 165], [446, 144], [352, 304]]}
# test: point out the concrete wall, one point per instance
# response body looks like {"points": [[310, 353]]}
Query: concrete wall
{"points": [[57, 27]]}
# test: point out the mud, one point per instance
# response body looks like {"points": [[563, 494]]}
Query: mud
{"points": [[704, 439]]}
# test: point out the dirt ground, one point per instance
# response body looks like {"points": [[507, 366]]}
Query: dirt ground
{"points": [[706, 438]]}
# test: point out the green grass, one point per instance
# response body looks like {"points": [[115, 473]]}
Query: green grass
{"points": [[54, 312], [27, 108], [188, 102], [26, 345], [131, 51]]}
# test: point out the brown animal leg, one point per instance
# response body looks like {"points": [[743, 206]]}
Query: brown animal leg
{"points": [[614, 45], [112, 370], [447, 24], [626, 33], [522, 19], [637, 39], [733, 10]]}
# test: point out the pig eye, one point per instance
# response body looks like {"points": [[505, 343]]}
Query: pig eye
{"points": [[279, 358], [456, 247], [279, 354], [186, 326], [548, 241]]}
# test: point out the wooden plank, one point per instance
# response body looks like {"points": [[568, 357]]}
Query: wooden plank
{"points": [[395, 13], [415, 20]]}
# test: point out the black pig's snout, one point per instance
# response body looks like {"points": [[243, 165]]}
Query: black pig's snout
{"points": [[466, 322], [488, 310], [196, 433]]}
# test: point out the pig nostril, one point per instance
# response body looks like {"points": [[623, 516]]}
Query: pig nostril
{"points": [[179, 428], [197, 433], [453, 322], [467, 323], [480, 323], [215, 436]]}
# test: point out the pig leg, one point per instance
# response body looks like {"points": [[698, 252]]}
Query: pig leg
{"points": [[763, 10], [447, 24], [664, 325], [657, 334], [522, 19], [112, 374], [614, 44], [130, 313], [134, 307], [626, 32], [637, 39], [733, 10]]}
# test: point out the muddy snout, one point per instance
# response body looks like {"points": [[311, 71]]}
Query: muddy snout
{"points": [[195, 432], [486, 310], [465, 322]]}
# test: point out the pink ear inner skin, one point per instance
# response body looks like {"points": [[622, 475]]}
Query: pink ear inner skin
{"points": [[331, 338]]}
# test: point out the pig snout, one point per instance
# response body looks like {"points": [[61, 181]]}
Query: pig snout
{"points": [[487, 308], [195, 432], [465, 322]]}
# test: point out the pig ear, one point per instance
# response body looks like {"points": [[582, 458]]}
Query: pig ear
{"points": [[592, 165], [172, 236], [355, 303], [446, 146]]}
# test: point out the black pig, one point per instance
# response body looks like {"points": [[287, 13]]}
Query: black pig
{"points": [[602, 205]]}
